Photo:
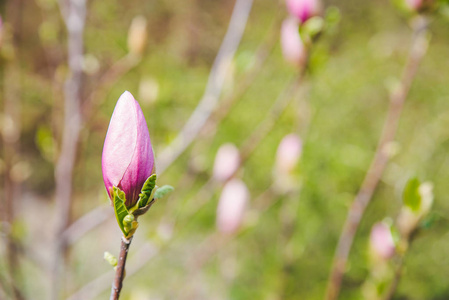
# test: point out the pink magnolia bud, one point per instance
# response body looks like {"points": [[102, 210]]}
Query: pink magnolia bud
{"points": [[227, 161], [293, 47], [231, 206], [303, 9], [128, 158], [288, 154], [381, 241]]}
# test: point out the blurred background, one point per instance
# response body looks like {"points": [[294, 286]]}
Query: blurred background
{"points": [[55, 114]]}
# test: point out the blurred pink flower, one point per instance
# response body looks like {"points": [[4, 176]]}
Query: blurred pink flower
{"points": [[293, 47], [413, 4], [288, 153], [227, 161], [128, 158], [303, 9], [231, 206], [381, 241]]}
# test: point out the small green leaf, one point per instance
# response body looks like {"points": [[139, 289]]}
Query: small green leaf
{"points": [[111, 259], [132, 229], [411, 196], [313, 26], [147, 189], [119, 207], [127, 223], [162, 191]]}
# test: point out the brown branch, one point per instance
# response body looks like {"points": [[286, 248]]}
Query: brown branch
{"points": [[214, 86], [397, 277], [380, 160], [117, 283], [261, 55], [74, 14], [11, 128]]}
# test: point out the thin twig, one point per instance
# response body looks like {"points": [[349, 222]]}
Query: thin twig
{"points": [[74, 14], [98, 285], [397, 277], [117, 283], [380, 160], [214, 86], [262, 53]]}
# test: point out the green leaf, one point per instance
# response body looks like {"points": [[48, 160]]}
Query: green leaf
{"points": [[162, 191], [119, 207], [147, 189], [411, 196]]}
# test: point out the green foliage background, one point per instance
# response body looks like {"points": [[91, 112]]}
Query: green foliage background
{"points": [[345, 98]]}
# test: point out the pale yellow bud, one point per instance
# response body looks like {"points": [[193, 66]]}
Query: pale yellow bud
{"points": [[137, 35]]}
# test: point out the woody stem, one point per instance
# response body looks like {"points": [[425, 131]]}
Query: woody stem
{"points": [[117, 283]]}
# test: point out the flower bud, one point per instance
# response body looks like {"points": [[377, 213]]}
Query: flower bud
{"points": [[231, 206], [148, 90], [303, 9], [381, 241], [227, 162], [288, 154], [127, 159], [292, 45], [137, 35], [413, 4]]}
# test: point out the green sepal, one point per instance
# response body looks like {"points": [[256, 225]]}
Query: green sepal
{"points": [[162, 191], [411, 195], [147, 189], [119, 200]]}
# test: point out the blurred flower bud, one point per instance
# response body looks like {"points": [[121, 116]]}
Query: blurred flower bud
{"points": [[148, 90], [381, 241], [137, 35], [417, 5], [288, 154], [303, 9], [231, 206], [413, 4], [408, 218], [90, 64], [293, 47], [128, 158], [227, 162]]}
